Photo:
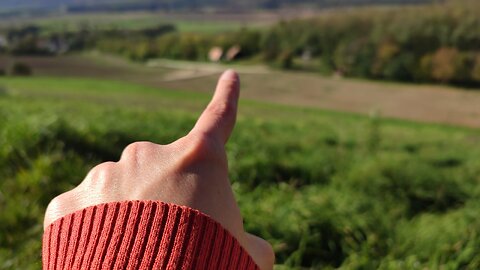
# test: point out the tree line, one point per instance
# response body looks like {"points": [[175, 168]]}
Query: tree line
{"points": [[434, 44], [437, 43]]}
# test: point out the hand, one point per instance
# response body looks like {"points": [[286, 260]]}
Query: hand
{"points": [[192, 171]]}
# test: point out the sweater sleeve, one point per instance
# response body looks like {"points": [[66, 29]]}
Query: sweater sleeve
{"points": [[141, 235]]}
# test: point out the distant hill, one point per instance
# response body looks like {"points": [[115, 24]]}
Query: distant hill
{"points": [[40, 6]]}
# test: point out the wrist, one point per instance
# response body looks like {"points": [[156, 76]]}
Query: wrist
{"points": [[142, 235]]}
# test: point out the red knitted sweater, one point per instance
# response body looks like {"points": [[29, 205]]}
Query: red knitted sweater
{"points": [[141, 235]]}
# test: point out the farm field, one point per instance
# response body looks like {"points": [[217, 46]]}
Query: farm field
{"points": [[424, 103], [357, 192], [184, 21]]}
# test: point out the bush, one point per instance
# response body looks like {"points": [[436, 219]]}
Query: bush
{"points": [[20, 69], [270, 45], [386, 51], [444, 63], [424, 68], [400, 68], [476, 69], [354, 57], [450, 65], [285, 60]]}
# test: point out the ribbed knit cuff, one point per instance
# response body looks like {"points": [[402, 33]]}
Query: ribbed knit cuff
{"points": [[141, 235]]}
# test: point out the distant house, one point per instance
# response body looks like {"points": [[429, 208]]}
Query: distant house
{"points": [[215, 54], [53, 46], [233, 53], [307, 55]]}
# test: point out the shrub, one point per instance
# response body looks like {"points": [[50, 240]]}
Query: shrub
{"points": [[140, 51], [476, 69], [443, 64], [20, 69], [386, 50], [401, 67], [249, 42], [354, 57], [285, 59], [270, 45], [424, 68], [450, 65]]}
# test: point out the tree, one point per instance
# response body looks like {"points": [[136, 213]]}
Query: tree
{"points": [[444, 64]]}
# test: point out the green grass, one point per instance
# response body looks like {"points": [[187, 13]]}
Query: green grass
{"points": [[135, 21], [329, 190]]}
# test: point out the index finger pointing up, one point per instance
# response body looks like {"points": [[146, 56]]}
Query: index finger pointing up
{"points": [[218, 119]]}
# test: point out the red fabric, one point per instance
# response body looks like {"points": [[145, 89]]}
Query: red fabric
{"points": [[141, 235]]}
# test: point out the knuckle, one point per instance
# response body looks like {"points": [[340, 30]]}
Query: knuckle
{"points": [[104, 168], [138, 151], [102, 173]]}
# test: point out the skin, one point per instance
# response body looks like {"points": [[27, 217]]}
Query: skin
{"points": [[192, 171]]}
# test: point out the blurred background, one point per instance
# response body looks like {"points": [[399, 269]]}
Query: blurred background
{"points": [[357, 144]]}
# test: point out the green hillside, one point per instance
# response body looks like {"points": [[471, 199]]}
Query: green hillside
{"points": [[326, 189]]}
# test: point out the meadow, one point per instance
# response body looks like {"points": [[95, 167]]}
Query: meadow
{"points": [[329, 190], [189, 22]]}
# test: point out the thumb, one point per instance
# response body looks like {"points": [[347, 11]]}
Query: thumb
{"points": [[218, 119]]}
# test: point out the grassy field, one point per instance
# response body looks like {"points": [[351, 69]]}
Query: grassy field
{"points": [[184, 22], [425, 103], [328, 190]]}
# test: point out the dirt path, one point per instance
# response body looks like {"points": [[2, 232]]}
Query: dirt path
{"points": [[425, 103], [183, 70]]}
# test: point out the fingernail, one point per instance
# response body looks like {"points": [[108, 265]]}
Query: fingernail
{"points": [[230, 75]]}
